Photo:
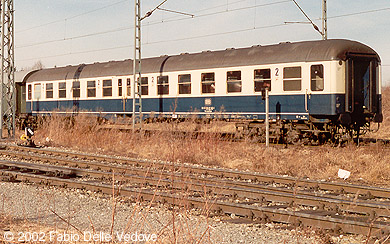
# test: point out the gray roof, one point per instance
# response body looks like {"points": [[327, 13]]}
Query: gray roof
{"points": [[307, 51], [23, 75]]}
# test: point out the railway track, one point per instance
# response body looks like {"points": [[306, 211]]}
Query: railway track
{"points": [[335, 206]]}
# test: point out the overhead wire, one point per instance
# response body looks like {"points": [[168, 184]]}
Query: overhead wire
{"points": [[218, 12], [75, 37], [216, 34], [308, 18], [162, 41], [101, 8], [181, 39], [358, 13], [71, 17], [128, 28], [80, 52]]}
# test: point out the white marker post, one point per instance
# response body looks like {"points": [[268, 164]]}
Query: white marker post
{"points": [[266, 117]]}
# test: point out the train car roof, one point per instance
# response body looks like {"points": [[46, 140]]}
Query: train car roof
{"points": [[306, 51], [22, 75]]}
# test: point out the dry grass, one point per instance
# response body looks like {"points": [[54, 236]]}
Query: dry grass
{"points": [[368, 164], [194, 125], [384, 129]]}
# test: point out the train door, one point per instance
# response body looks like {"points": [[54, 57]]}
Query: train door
{"points": [[20, 98], [361, 88], [316, 87], [29, 97]]}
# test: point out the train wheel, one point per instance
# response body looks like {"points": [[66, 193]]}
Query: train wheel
{"points": [[293, 137], [323, 138]]}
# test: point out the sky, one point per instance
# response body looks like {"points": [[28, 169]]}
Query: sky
{"points": [[71, 32]]}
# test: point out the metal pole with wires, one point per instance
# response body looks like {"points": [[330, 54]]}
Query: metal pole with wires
{"points": [[137, 79], [7, 83], [137, 62], [324, 20]]}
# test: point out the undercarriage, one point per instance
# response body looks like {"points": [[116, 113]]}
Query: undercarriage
{"points": [[301, 132]]}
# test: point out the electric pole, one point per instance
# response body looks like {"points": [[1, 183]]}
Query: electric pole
{"points": [[324, 21], [137, 93], [137, 79], [137, 63], [7, 83]]}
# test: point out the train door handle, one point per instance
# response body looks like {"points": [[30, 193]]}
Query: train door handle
{"points": [[306, 105]]}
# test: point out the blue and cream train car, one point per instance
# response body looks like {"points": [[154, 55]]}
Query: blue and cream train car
{"points": [[320, 84]]}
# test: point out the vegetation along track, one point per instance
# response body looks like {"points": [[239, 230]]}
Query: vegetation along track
{"points": [[232, 136], [335, 206]]}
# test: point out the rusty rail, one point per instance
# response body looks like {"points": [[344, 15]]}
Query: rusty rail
{"points": [[324, 214], [368, 191], [218, 186], [322, 219]]}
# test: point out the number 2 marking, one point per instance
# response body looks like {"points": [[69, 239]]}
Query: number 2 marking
{"points": [[277, 72]]}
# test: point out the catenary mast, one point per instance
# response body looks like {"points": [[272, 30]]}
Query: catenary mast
{"points": [[7, 87], [324, 20]]}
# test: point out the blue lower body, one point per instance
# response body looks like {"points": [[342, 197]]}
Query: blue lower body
{"points": [[295, 107]]}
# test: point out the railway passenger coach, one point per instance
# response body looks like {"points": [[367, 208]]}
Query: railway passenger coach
{"points": [[316, 88]]}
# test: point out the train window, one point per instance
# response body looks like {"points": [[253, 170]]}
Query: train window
{"points": [[119, 87], [107, 88], [37, 91], [317, 77], [76, 89], [91, 88], [49, 90], [144, 86], [292, 79], [163, 85], [208, 82], [62, 90], [29, 92], [234, 81], [262, 79], [128, 87], [185, 84]]}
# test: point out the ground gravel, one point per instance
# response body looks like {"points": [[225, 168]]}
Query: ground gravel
{"points": [[77, 211]]}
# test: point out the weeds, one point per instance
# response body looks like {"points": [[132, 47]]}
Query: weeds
{"points": [[367, 164]]}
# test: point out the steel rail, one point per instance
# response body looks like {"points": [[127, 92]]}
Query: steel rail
{"points": [[322, 219], [261, 194], [368, 191], [57, 170]]}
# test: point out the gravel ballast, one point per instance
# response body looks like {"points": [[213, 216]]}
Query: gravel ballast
{"points": [[88, 213]]}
